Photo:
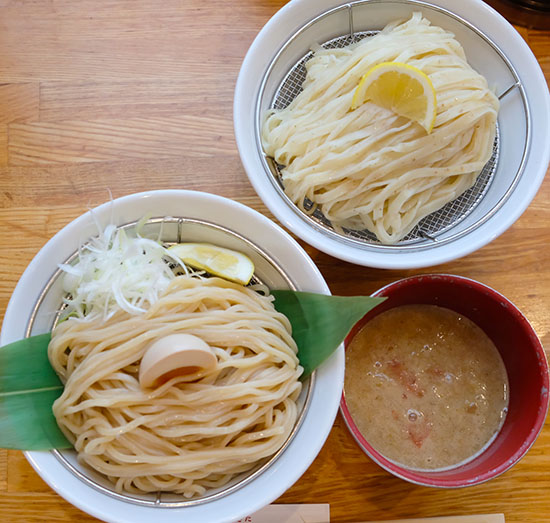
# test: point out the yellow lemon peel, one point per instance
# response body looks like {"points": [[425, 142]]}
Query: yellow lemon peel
{"points": [[219, 261], [401, 88]]}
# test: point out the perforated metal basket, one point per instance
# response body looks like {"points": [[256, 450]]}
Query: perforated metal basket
{"points": [[173, 230], [350, 22], [272, 74]]}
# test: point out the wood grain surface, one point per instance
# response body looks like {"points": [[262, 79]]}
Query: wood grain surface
{"points": [[101, 98]]}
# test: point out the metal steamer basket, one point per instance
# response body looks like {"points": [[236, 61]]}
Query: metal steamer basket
{"points": [[351, 22], [172, 230]]}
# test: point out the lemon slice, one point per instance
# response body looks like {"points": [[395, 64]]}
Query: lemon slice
{"points": [[225, 263], [403, 89]]}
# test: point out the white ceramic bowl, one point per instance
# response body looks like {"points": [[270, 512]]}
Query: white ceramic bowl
{"points": [[272, 249], [493, 47]]}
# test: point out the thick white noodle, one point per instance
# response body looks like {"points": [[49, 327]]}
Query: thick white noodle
{"points": [[369, 168], [191, 433]]}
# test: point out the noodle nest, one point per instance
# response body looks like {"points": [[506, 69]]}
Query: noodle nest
{"points": [[370, 168], [194, 432]]}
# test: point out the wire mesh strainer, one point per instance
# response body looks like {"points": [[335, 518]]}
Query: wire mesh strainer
{"points": [[170, 231], [350, 22]]}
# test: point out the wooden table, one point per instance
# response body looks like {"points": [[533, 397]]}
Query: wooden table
{"points": [[101, 98]]}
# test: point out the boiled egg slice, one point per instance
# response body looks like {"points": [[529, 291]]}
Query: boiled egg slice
{"points": [[174, 355]]}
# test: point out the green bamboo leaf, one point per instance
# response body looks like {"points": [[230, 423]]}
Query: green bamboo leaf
{"points": [[29, 385], [320, 323], [28, 388]]}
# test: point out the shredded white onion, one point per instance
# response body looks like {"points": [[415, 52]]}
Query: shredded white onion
{"points": [[117, 271]]}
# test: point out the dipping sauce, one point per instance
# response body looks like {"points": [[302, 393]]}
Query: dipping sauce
{"points": [[426, 386]]}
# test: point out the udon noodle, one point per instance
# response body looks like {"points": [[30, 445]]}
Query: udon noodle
{"points": [[193, 432], [370, 168]]}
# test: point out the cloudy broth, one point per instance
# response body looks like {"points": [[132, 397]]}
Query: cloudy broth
{"points": [[426, 386]]}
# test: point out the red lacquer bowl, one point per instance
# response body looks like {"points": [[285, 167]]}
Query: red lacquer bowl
{"points": [[523, 356]]}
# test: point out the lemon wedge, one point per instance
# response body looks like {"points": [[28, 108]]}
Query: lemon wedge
{"points": [[401, 88], [225, 263]]}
